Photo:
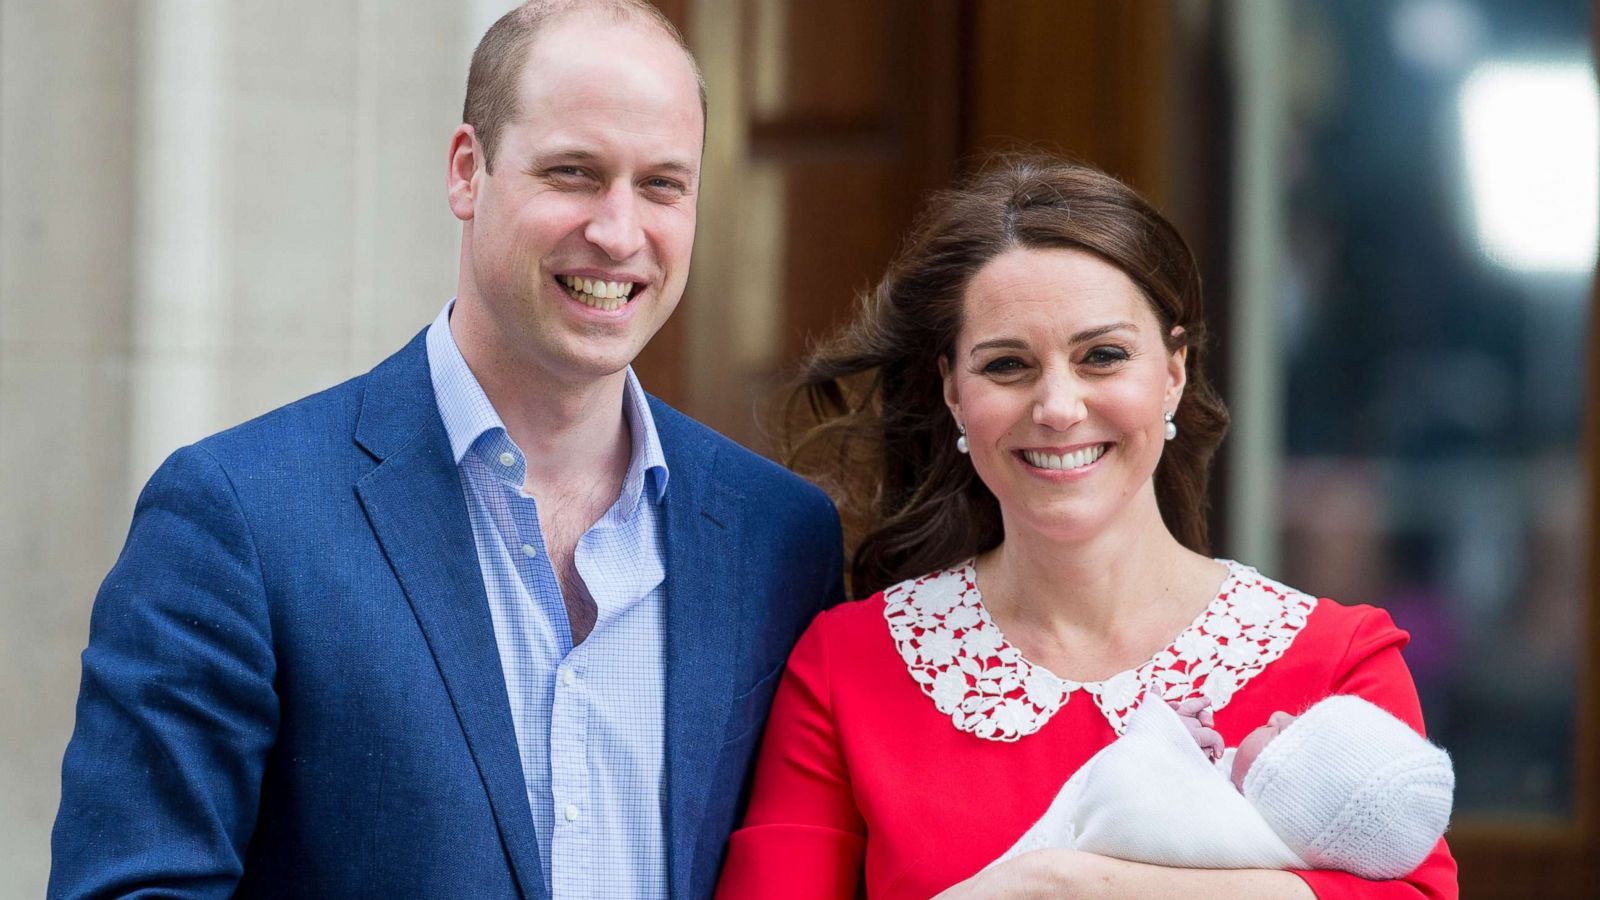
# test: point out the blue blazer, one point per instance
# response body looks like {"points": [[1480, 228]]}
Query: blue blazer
{"points": [[292, 688]]}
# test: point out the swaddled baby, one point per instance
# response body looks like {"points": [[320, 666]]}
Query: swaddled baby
{"points": [[1344, 786]]}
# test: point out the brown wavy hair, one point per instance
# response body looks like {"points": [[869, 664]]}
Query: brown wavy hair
{"points": [[866, 417]]}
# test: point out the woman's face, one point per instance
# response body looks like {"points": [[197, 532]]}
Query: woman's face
{"points": [[1062, 379]]}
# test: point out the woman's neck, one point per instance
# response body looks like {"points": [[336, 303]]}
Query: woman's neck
{"points": [[1110, 600]]}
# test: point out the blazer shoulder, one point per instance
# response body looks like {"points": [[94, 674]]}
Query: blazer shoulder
{"points": [[322, 423], [314, 412], [750, 474]]}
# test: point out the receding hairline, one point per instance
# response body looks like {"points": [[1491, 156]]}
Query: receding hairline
{"points": [[624, 16], [635, 13], [523, 26]]}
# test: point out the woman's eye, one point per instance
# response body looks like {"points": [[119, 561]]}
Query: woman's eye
{"points": [[1005, 365], [1105, 356]]}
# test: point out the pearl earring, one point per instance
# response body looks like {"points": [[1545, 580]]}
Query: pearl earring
{"points": [[1172, 427], [961, 441]]}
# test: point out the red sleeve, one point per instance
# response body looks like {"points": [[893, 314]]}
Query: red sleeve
{"points": [[803, 838], [1372, 669]]}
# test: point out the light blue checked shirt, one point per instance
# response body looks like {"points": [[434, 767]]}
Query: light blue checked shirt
{"points": [[589, 719]]}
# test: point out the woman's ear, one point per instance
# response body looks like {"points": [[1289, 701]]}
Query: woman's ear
{"points": [[1177, 371], [952, 397]]}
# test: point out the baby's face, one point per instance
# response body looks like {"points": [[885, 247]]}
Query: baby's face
{"points": [[1254, 743]]}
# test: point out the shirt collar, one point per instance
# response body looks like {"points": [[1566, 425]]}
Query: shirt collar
{"points": [[468, 414]]}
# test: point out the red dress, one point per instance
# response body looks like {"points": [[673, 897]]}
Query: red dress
{"points": [[910, 745]]}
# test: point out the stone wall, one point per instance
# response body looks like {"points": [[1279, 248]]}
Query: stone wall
{"points": [[207, 209]]}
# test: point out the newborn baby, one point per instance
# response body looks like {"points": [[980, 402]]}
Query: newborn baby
{"points": [[1344, 785]]}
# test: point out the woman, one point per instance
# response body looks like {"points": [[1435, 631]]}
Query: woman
{"points": [[1024, 388]]}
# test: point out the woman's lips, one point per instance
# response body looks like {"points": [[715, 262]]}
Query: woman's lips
{"points": [[1071, 460]]}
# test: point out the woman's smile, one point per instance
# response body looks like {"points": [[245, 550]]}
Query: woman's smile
{"points": [[1057, 463]]}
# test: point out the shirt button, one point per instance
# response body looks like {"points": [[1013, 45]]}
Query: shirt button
{"points": [[571, 813], [529, 551], [568, 678], [507, 460]]}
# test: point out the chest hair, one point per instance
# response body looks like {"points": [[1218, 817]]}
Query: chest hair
{"points": [[564, 516]]}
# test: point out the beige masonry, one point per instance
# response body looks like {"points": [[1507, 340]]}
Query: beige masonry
{"points": [[207, 209]]}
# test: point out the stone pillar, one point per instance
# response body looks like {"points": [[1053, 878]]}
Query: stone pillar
{"points": [[209, 210], [66, 211]]}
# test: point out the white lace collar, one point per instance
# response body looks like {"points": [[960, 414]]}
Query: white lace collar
{"points": [[962, 661]]}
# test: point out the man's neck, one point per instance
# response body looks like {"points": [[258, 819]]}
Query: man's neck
{"points": [[572, 432], [569, 435]]}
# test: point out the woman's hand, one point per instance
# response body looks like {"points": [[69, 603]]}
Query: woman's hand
{"points": [[1055, 874]]}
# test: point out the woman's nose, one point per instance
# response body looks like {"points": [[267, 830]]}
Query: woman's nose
{"points": [[1059, 404]]}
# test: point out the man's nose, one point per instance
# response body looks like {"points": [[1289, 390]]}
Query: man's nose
{"points": [[615, 227], [1059, 404]]}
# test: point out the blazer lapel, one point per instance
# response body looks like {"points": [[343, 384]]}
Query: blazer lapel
{"points": [[702, 616], [414, 501]]}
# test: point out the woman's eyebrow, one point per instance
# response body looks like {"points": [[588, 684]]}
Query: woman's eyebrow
{"points": [[999, 344], [1088, 334]]}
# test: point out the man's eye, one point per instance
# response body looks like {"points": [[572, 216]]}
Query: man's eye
{"points": [[664, 187]]}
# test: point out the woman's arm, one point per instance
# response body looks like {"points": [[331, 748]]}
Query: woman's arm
{"points": [[1069, 874], [802, 837], [1372, 669]]}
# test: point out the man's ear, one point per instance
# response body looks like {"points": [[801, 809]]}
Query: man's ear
{"points": [[466, 167]]}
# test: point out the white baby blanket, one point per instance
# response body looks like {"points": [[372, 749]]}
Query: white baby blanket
{"points": [[1153, 796]]}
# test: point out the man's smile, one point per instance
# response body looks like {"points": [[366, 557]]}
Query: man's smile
{"points": [[601, 294]]}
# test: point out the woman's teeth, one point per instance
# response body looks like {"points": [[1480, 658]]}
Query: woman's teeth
{"points": [[1077, 459], [607, 295]]}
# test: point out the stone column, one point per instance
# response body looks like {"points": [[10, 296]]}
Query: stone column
{"points": [[207, 210], [67, 103]]}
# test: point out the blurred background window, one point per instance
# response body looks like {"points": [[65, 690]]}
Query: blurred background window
{"points": [[1439, 207]]}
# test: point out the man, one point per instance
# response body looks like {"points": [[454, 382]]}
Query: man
{"points": [[486, 621]]}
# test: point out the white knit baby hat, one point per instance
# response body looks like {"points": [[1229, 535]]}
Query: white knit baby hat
{"points": [[1348, 786]]}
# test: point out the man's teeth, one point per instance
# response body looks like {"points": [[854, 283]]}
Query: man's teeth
{"points": [[606, 295], [1077, 459]]}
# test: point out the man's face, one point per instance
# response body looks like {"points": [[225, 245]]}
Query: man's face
{"points": [[578, 244]]}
